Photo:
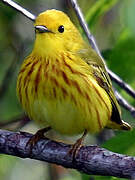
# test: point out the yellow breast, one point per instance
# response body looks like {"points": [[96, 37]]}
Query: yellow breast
{"points": [[63, 94]]}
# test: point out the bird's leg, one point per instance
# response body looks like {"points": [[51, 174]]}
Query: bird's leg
{"points": [[75, 147], [37, 136]]}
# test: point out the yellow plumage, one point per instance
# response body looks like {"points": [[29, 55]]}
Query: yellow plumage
{"points": [[63, 83]]}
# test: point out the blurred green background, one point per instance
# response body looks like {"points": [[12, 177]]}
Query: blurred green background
{"points": [[112, 23]]}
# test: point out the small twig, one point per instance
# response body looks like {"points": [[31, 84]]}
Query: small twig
{"points": [[121, 83], [20, 9], [90, 159], [83, 24], [124, 103]]}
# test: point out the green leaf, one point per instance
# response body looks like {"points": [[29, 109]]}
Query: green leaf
{"points": [[98, 9], [85, 177], [123, 143], [121, 59], [128, 14]]}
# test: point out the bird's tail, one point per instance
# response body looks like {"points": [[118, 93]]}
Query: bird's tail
{"points": [[123, 126]]}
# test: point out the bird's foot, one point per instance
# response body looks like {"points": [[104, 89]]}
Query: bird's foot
{"points": [[76, 147], [37, 136]]}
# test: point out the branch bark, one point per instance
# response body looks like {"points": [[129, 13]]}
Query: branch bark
{"points": [[91, 160]]}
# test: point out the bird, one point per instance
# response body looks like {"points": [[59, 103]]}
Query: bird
{"points": [[64, 85]]}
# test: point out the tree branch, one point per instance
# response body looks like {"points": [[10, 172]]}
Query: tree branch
{"points": [[90, 159], [121, 83], [124, 103], [20, 9]]}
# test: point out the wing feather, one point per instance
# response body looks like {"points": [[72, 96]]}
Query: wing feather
{"points": [[100, 74]]}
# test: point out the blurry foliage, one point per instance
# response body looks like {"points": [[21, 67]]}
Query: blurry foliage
{"points": [[112, 23], [98, 9]]}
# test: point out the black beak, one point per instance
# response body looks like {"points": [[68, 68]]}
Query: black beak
{"points": [[41, 29]]}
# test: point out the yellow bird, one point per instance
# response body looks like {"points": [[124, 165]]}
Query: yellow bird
{"points": [[63, 84]]}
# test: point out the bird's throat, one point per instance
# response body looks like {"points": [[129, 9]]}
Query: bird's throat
{"points": [[46, 46]]}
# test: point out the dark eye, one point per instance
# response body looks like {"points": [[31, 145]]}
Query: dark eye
{"points": [[61, 29]]}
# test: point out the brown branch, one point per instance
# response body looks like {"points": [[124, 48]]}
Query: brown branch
{"points": [[90, 159]]}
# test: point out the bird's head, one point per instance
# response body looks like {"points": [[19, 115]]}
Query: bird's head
{"points": [[55, 32]]}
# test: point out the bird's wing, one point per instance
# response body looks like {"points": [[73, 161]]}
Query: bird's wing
{"points": [[103, 79]]}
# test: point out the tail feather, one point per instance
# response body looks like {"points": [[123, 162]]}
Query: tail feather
{"points": [[122, 126], [125, 126]]}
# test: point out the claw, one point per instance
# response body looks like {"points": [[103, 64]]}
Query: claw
{"points": [[76, 147], [37, 136]]}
